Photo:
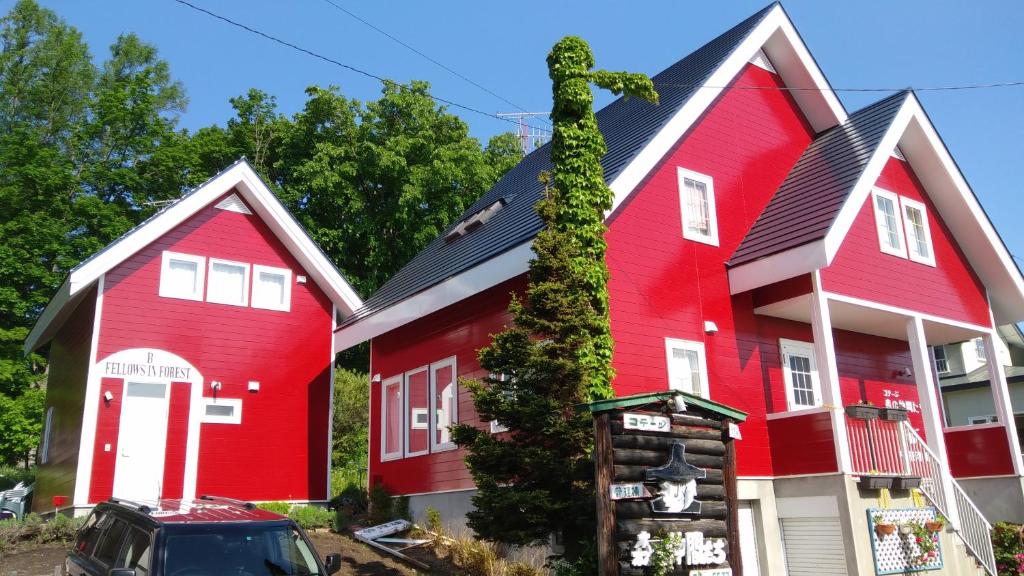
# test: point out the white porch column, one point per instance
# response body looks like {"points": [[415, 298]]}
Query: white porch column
{"points": [[1001, 398], [828, 373], [931, 410]]}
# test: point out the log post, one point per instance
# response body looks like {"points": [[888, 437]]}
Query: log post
{"points": [[607, 552], [731, 504]]}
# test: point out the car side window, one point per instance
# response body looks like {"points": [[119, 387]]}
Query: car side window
{"points": [[110, 543], [136, 552], [89, 533]]}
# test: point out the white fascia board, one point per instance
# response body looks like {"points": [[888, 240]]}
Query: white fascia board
{"points": [[868, 177], [777, 267], [489, 273], [774, 26]]}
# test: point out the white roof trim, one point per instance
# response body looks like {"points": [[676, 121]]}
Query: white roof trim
{"points": [[485, 275], [240, 176], [947, 189], [774, 35]]}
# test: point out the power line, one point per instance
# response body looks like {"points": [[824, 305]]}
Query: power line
{"points": [[329, 60], [429, 59], [818, 89]]}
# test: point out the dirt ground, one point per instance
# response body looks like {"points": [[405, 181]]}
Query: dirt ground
{"points": [[357, 559]]}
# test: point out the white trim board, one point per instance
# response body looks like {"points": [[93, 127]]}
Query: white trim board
{"points": [[243, 179]]}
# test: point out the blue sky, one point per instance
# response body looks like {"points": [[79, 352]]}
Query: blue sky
{"points": [[502, 46]]}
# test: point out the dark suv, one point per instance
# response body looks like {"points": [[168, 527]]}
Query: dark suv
{"points": [[206, 537]]}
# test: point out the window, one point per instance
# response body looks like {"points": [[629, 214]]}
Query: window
{"points": [[890, 232], [136, 553], [271, 288], [222, 410], [697, 201], [687, 367], [941, 364], [90, 532], [443, 403], [181, 276], [919, 239], [979, 350], [229, 283], [800, 372], [417, 417], [44, 450], [110, 544], [391, 418]]}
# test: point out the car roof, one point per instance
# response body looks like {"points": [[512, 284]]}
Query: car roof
{"points": [[184, 511]]}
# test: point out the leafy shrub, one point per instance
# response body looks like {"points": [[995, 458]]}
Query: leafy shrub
{"points": [[380, 505], [400, 507], [1008, 545], [310, 517], [281, 508], [14, 531], [433, 519], [61, 529]]}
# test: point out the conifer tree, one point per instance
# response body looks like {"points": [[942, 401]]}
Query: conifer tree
{"points": [[557, 354]]}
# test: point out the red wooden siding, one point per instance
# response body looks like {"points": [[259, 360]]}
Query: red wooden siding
{"points": [[979, 452], [65, 392], [802, 444], [860, 269], [177, 440], [108, 422], [459, 330], [279, 451]]}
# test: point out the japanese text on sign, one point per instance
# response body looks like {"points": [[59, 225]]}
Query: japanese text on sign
{"points": [[646, 422]]}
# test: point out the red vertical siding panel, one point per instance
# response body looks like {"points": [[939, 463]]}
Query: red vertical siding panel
{"points": [[860, 269], [177, 440], [803, 445], [979, 452], [108, 423]]}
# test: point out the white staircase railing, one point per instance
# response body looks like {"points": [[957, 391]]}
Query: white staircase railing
{"points": [[965, 518]]}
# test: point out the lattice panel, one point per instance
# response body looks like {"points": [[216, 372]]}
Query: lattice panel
{"points": [[897, 553]]}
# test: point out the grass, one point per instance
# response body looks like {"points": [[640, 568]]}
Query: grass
{"points": [[475, 557]]}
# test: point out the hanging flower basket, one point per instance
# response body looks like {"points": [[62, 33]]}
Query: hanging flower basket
{"points": [[906, 482], [884, 530], [862, 411], [934, 525], [893, 414], [875, 482]]}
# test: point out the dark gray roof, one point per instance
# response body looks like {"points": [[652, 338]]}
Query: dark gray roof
{"points": [[810, 198], [627, 126], [978, 378]]}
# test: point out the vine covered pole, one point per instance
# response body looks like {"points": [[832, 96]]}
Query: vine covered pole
{"points": [[604, 469]]}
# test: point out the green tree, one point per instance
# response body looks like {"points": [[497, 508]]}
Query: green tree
{"points": [[351, 423], [557, 354], [21, 422]]}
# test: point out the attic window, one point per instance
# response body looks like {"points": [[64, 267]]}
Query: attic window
{"points": [[475, 221]]}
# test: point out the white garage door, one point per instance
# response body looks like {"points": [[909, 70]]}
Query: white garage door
{"points": [[813, 547]]}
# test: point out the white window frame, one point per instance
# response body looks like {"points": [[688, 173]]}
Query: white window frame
{"points": [[702, 363], [260, 301], [436, 446], [712, 236], [168, 290], [384, 454], [908, 226], [44, 450], [245, 281], [980, 352], [406, 423], [944, 359], [799, 348], [883, 236], [235, 418]]}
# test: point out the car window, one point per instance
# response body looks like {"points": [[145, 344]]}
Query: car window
{"points": [[136, 552], [89, 533], [274, 550], [110, 542]]}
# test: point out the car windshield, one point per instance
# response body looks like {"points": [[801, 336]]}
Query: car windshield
{"points": [[254, 550]]}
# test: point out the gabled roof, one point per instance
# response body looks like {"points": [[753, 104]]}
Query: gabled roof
{"points": [[637, 135], [646, 399], [241, 177], [805, 224], [816, 189]]}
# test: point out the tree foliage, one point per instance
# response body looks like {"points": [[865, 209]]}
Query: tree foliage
{"points": [[351, 424], [21, 422], [557, 354]]}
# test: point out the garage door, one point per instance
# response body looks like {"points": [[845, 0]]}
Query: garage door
{"points": [[813, 546]]}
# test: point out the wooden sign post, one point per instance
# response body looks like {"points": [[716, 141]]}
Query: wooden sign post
{"points": [[665, 479]]}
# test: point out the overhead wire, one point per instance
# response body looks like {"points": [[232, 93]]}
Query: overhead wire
{"points": [[427, 57], [349, 67]]}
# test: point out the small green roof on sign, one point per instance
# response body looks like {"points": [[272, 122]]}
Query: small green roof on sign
{"points": [[651, 397]]}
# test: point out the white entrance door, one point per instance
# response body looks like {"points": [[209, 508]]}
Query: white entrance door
{"points": [[142, 441], [749, 539]]}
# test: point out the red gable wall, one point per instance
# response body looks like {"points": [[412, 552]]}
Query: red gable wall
{"points": [[860, 269], [279, 451]]}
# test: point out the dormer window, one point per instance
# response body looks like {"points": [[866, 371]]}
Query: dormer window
{"points": [[697, 203], [475, 221]]}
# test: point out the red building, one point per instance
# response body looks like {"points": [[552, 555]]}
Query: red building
{"points": [[194, 356], [768, 250]]}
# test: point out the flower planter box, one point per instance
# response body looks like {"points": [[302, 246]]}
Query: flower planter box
{"points": [[892, 414], [884, 530], [906, 482], [862, 412], [934, 525], [875, 482]]}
